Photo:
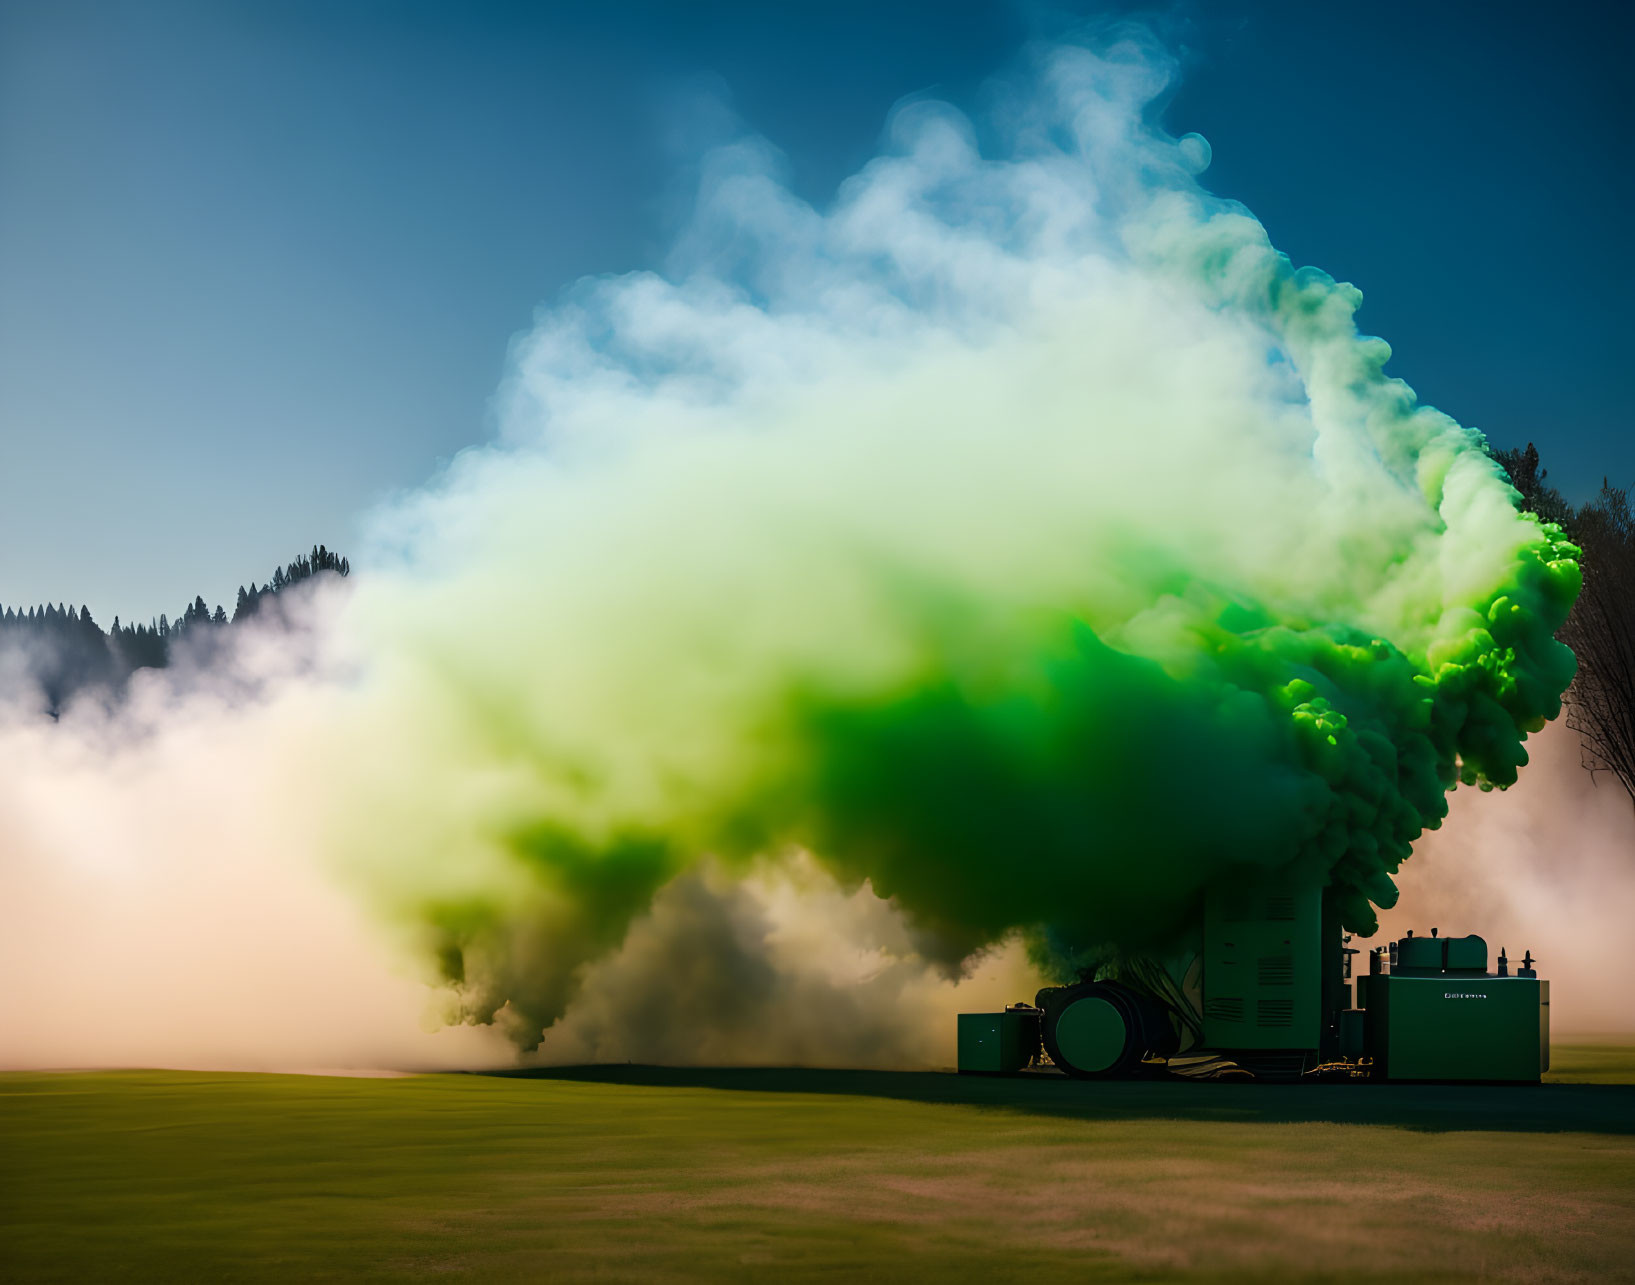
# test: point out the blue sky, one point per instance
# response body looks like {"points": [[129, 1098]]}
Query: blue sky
{"points": [[260, 262]]}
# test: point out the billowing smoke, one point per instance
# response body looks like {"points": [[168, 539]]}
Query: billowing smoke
{"points": [[952, 582], [1021, 537], [161, 900], [782, 967], [1543, 867]]}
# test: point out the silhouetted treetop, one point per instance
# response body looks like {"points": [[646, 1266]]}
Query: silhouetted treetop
{"points": [[63, 650], [1601, 629]]}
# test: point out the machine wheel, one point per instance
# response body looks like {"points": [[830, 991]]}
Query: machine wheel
{"points": [[1097, 1030]]}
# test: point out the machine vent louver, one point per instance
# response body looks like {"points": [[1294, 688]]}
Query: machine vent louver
{"points": [[1276, 970], [1280, 908], [1224, 1009], [1274, 1012]]}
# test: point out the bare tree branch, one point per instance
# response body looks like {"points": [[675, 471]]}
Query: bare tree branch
{"points": [[1601, 632], [1601, 629]]}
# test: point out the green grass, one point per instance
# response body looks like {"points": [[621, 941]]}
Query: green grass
{"points": [[641, 1174], [1592, 1060]]}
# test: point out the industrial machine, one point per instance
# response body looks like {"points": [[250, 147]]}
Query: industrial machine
{"points": [[1264, 991]]}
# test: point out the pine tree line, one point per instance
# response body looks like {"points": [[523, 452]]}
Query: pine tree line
{"points": [[65, 650]]}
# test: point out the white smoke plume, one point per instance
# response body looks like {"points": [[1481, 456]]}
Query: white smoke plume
{"points": [[1546, 866], [1020, 539], [165, 903]]}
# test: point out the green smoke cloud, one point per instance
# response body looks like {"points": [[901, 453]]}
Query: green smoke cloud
{"points": [[1022, 535]]}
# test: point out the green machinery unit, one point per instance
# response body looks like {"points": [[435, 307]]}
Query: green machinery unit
{"points": [[1263, 989]]}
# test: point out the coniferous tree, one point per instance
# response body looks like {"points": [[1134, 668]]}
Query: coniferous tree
{"points": [[67, 651]]}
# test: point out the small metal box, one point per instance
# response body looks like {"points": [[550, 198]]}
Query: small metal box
{"points": [[998, 1043]]}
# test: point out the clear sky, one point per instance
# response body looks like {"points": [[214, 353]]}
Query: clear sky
{"points": [[260, 262]]}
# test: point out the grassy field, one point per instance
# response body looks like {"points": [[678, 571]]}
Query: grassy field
{"points": [[641, 1174]]}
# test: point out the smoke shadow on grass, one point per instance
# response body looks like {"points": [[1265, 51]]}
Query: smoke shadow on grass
{"points": [[1427, 1108]]}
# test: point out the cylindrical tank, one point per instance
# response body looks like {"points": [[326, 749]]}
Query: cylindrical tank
{"points": [[1103, 1030]]}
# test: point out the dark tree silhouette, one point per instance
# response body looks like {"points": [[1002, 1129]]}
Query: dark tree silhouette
{"points": [[63, 651], [1601, 629], [1537, 495], [1601, 632]]}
